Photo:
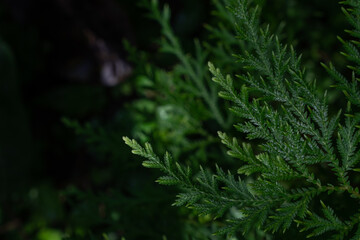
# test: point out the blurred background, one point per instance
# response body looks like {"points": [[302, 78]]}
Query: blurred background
{"points": [[69, 90]]}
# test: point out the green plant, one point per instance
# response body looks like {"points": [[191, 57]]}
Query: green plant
{"points": [[181, 97], [301, 168]]}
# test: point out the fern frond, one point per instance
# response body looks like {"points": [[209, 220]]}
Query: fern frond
{"points": [[281, 109], [350, 88], [203, 194], [348, 139], [286, 214], [319, 225], [193, 67]]}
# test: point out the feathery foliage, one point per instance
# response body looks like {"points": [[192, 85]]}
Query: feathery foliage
{"points": [[292, 131]]}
